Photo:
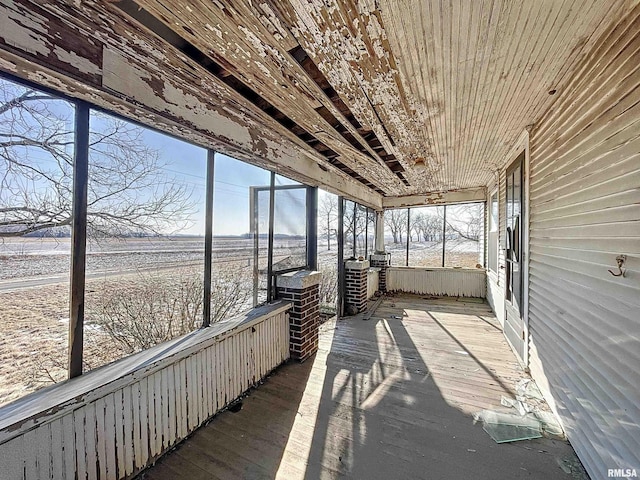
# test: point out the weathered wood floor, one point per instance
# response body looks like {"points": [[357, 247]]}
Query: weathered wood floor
{"points": [[386, 398]]}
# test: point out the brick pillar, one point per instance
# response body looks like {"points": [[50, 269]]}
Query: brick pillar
{"points": [[356, 273], [381, 261], [302, 289]]}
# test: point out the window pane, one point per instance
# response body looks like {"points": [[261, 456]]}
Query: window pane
{"points": [[361, 231], [425, 248], [290, 225], [240, 221], [36, 167], [493, 217], [464, 237], [328, 251], [395, 232], [349, 229], [371, 232], [146, 239]]}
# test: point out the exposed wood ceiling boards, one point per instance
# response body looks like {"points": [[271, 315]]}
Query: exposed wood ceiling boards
{"points": [[364, 88], [114, 63], [348, 42], [217, 69], [491, 66], [448, 84], [232, 33]]}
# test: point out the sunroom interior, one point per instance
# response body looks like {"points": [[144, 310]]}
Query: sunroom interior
{"points": [[314, 239]]}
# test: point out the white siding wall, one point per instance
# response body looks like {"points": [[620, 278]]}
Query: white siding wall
{"points": [[154, 399], [452, 282], [585, 209]]}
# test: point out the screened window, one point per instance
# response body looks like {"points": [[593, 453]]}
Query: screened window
{"points": [[425, 248], [145, 239], [36, 170], [464, 235]]}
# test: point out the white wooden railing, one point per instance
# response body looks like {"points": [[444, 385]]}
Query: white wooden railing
{"points": [[453, 282], [112, 422]]}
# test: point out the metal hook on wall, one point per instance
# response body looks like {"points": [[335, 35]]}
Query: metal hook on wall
{"points": [[620, 259]]}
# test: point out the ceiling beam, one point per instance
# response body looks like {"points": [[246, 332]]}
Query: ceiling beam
{"points": [[436, 198], [121, 68]]}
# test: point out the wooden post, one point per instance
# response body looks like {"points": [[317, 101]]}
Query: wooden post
{"points": [[380, 248], [78, 238], [408, 234], [355, 238], [366, 232], [208, 239]]}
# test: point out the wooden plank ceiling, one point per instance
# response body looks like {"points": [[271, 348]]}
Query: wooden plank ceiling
{"points": [[391, 98], [383, 86]]}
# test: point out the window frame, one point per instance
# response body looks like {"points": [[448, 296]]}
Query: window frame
{"points": [[493, 243]]}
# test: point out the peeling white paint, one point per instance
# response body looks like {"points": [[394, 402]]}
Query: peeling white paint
{"points": [[19, 31], [82, 64], [120, 75], [8, 66]]}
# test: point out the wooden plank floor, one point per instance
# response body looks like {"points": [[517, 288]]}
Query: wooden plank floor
{"points": [[385, 398]]}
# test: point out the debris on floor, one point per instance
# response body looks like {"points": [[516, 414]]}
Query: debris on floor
{"points": [[508, 427], [532, 420]]}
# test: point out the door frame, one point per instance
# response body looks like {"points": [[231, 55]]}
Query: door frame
{"points": [[522, 145]]}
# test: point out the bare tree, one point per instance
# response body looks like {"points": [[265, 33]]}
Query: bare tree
{"points": [[427, 226], [328, 217], [396, 222], [465, 221], [159, 308], [129, 191]]}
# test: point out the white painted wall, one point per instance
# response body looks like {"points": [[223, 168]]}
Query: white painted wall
{"points": [[452, 282]]}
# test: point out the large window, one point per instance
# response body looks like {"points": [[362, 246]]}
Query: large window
{"points": [[136, 214], [36, 168], [145, 232], [395, 232], [425, 248], [328, 251], [464, 235], [436, 236]]}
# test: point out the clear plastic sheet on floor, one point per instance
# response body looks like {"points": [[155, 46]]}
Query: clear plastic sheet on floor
{"points": [[532, 420], [505, 427]]}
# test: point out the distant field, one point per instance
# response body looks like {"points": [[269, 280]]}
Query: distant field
{"points": [[34, 293], [32, 257]]}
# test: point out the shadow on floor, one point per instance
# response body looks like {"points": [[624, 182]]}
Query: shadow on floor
{"points": [[386, 398]]}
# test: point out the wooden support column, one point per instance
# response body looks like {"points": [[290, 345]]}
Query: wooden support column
{"points": [[78, 238], [380, 259], [444, 234], [380, 248], [340, 307], [272, 206], [408, 234]]}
